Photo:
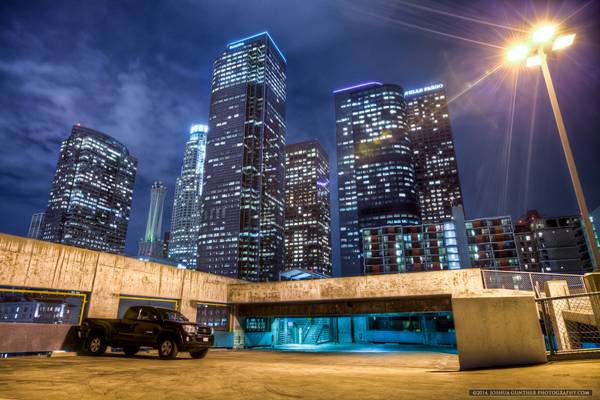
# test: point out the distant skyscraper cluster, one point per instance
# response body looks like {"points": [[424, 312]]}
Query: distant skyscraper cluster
{"points": [[90, 199], [396, 162], [249, 207]]}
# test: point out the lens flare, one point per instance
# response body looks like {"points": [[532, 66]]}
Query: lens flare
{"points": [[544, 33], [517, 53]]}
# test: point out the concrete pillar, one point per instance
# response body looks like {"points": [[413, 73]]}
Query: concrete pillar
{"points": [[344, 330], [239, 335], [428, 330], [360, 329], [107, 280], [187, 305], [558, 288], [592, 284]]}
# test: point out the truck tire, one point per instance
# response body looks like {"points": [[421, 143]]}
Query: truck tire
{"points": [[96, 344], [167, 348], [131, 350], [199, 354]]}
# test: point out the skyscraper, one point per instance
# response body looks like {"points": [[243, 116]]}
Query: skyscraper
{"points": [[376, 176], [91, 193], [36, 226], [438, 184], [241, 233], [185, 220], [151, 245], [307, 215]]}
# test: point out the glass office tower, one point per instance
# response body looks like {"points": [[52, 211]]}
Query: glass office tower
{"points": [[376, 175], [242, 222], [185, 219], [438, 184], [91, 193], [307, 216]]}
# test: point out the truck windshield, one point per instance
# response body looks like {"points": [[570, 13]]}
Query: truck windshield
{"points": [[173, 316]]}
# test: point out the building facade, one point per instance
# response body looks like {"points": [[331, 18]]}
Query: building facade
{"points": [[91, 193], [151, 245], [185, 219], [438, 183], [492, 243], [307, 214], [527, 245], [553, 244], [242, 220], [425, 247], [376, 176], [36, 226]]}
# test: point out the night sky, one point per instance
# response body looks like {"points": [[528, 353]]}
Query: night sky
{"points": [[140, 71]]}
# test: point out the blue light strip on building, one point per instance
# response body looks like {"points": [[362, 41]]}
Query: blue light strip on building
{"points": [[357, 86], [241, 42]]}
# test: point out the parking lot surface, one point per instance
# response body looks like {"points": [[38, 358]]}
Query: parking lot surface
{"points": [[254, 374]]}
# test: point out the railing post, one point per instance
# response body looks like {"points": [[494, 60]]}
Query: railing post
{"points": [[531, 281], [547, 327]]}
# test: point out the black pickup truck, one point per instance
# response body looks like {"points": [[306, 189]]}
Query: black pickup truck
{"points": [[164, 329]]}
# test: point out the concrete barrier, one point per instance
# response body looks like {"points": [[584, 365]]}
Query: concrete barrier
{"points": [[36, 338], [496, 331]]}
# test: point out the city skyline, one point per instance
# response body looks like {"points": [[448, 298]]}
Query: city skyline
{"points": [[549, 192]]}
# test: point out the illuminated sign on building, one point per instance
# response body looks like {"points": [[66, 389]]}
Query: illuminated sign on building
{"points": [[424, 89]]}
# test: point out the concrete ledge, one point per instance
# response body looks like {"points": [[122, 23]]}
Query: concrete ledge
{"points": [[497, 331]]}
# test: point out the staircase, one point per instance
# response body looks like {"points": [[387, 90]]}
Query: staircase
{"points": [[317, 331], [313, 331]]}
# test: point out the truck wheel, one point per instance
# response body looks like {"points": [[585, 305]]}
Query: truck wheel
{"points": [[131, 350], [96, 345], [167, 348], [199, 354]]}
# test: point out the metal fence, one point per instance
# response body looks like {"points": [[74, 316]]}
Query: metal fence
{"points": [[530, 281], [571, 323]]}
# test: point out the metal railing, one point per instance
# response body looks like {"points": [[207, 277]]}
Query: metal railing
{"points": [[571, 323], [529, 281]]}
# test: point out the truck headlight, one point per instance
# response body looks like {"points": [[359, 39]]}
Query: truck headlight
{"points": [[190, 329]]}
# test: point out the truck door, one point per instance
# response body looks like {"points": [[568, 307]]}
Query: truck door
{"points": [[146, 329], [125, 327]]}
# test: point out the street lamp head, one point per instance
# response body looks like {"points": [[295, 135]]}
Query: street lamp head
{"points": [[534, 61], [543, 33], [517, 53], [563, 41]]}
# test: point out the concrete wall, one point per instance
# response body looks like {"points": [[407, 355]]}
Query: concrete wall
{"points": [[494, 331], [456, 282], [32, 263]]}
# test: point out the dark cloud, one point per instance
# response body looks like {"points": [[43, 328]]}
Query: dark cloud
{"points": [[141, 71]]}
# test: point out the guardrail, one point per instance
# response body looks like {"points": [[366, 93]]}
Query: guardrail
{"points": [[530, 281], [571, 323]]}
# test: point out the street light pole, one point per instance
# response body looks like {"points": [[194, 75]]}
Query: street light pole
{"points": [[583, 210]]}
